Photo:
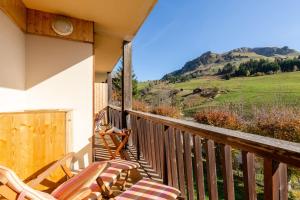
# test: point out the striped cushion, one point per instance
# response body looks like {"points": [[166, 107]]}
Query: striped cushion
{"points": [[109, 177], [124, 164], [112, 173], [147, 189], [84, 179]]}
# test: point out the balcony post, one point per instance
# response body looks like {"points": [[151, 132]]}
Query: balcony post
{"points": [[126, 81], [109, 94]]}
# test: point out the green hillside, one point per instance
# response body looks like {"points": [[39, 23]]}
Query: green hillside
{"points": [[281, 88]]}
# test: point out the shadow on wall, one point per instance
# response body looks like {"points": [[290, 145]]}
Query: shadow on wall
{"points": [[81, 160], [46, 57]]}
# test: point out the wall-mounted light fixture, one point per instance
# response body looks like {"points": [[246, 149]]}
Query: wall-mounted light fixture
{"points": [[62, 26]]}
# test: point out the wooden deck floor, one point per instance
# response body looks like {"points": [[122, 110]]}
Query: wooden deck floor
{"points": [[145, 171]]}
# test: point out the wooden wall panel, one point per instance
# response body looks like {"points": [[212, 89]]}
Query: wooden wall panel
{"points": [[101, 98], [31, 141], [40, 23], [16, 10]]}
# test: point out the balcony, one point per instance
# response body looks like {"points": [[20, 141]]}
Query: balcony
{"points": [[48, 103], [189, 156]]}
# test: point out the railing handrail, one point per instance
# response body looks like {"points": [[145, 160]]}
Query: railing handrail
{"points": [[114, 107], [280, 150]]}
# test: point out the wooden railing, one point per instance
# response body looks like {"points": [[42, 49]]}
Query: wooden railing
{"points": [[186, 155]]}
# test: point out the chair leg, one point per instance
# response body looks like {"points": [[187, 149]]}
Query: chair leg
{"points": [[121, 145], [125, 180], [106, 145], [106, 192]]}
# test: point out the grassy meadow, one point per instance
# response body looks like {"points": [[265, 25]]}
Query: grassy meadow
{"points": [[282, 88]]}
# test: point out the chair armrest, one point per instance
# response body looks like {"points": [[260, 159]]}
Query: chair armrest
{"points": [[3, 180]]}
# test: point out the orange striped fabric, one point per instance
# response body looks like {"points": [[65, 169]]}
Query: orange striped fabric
{"points": [[147, 189], [124, 164], [85, 178], [112, 173]]}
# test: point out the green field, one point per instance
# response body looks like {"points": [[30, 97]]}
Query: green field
{"points": [[282, 88]]}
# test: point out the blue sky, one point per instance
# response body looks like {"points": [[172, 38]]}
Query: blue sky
{"points": [[180, 30]]}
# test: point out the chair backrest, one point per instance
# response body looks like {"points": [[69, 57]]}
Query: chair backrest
{"points": [[100, 119], [84, 179], [12, 181]]}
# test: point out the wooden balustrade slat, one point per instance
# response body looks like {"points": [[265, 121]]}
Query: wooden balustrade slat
{"points": [[228, 183], [156, 147], [160, 129], [146, 133], [141, 140], [153, 137], [167, 157], [152, 146], [283, 180], [116, 119], [275, 180], [211, 170], [135, 134], [181, 172], [189, 165], [199, 168], [249, 175], [173, 158], [134, 129]]}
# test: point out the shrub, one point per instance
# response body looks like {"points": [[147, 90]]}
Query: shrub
{"points": [[140, 106], [281, 123], [224, 119], [168, 111]]}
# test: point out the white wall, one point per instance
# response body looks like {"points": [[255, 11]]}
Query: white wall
{"points": [[56, 74], [12, 65], [12, 52]]}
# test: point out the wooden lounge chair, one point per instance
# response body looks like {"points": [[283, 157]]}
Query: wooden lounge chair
{"points": [[119, 137], [109, 177], [76, 188]]}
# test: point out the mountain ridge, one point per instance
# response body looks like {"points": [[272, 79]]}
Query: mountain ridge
{"points": [[209, 62]]}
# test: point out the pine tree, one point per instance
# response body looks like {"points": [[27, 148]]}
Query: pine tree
{"points": [[117, 81]]}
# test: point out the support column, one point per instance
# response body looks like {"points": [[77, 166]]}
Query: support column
{"points": [[109, 96], [109, 88], [126, 80]]}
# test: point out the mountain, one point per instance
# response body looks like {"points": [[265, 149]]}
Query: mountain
{"points": [[209, 63]]}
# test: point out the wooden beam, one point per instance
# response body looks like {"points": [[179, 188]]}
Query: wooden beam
{"points": [[40, 23], [16, 10], [126, 80]]}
